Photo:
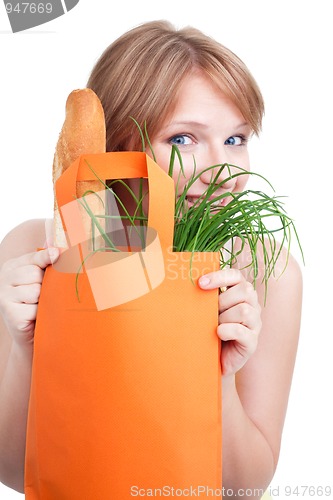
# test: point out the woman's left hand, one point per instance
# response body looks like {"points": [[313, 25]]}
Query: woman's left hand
{"points": [[239, 317]]}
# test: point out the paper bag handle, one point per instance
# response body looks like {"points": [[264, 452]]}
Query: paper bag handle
{"points": [[126, 165]]}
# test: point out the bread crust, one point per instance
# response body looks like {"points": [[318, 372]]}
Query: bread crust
{"points": [[83, 132]]}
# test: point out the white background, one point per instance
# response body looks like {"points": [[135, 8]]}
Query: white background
{"points": [[287, 45]]}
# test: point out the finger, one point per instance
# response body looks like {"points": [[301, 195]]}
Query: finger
{"points": [[243, 292], [49, 233], [26, 275], [26, 294], [41, 258], [21, 315], [221, 278], [245, 341], [244, 314]]}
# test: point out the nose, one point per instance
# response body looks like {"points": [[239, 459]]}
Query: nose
{"points": [[219, 171]]}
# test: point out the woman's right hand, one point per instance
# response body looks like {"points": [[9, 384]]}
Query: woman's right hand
{"points": [[20, 285]]}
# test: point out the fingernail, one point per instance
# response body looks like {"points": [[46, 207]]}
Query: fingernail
{"points": [[53, 253], [204, 281]]}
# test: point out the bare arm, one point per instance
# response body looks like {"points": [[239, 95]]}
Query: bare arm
{"points": [[255, 397], [21, 273], [263, 385], [14, 398]]}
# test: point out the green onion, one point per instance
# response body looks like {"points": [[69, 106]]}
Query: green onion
{"points": [[254, 217]]}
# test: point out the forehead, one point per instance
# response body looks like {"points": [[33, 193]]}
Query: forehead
{"points": [[199, 100]]}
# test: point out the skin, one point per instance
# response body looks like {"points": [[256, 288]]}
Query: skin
{"points": [[209, 127], [259, 341]]}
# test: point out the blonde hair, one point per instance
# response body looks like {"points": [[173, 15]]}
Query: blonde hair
{"points": [[140, 74]]}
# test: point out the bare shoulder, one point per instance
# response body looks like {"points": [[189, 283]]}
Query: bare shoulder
{"points": [[285, 278], [22, 239], [286, 282]]}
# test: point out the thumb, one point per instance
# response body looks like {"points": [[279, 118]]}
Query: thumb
{"points": [[45, 257]]}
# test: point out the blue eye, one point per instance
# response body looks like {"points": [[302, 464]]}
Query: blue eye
{"points": [[235, 140], [181, 140]]}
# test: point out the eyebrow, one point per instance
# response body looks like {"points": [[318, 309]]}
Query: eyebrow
{"points": [[202, 125], [241, 125], [186, 122]]}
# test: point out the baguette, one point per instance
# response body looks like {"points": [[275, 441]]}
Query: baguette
{"points": [[83, 132]]}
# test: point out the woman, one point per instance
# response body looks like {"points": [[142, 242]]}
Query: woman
{"points": [[194, 93]]}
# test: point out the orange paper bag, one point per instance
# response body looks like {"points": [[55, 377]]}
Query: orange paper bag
{"points": [[126, 384]]}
